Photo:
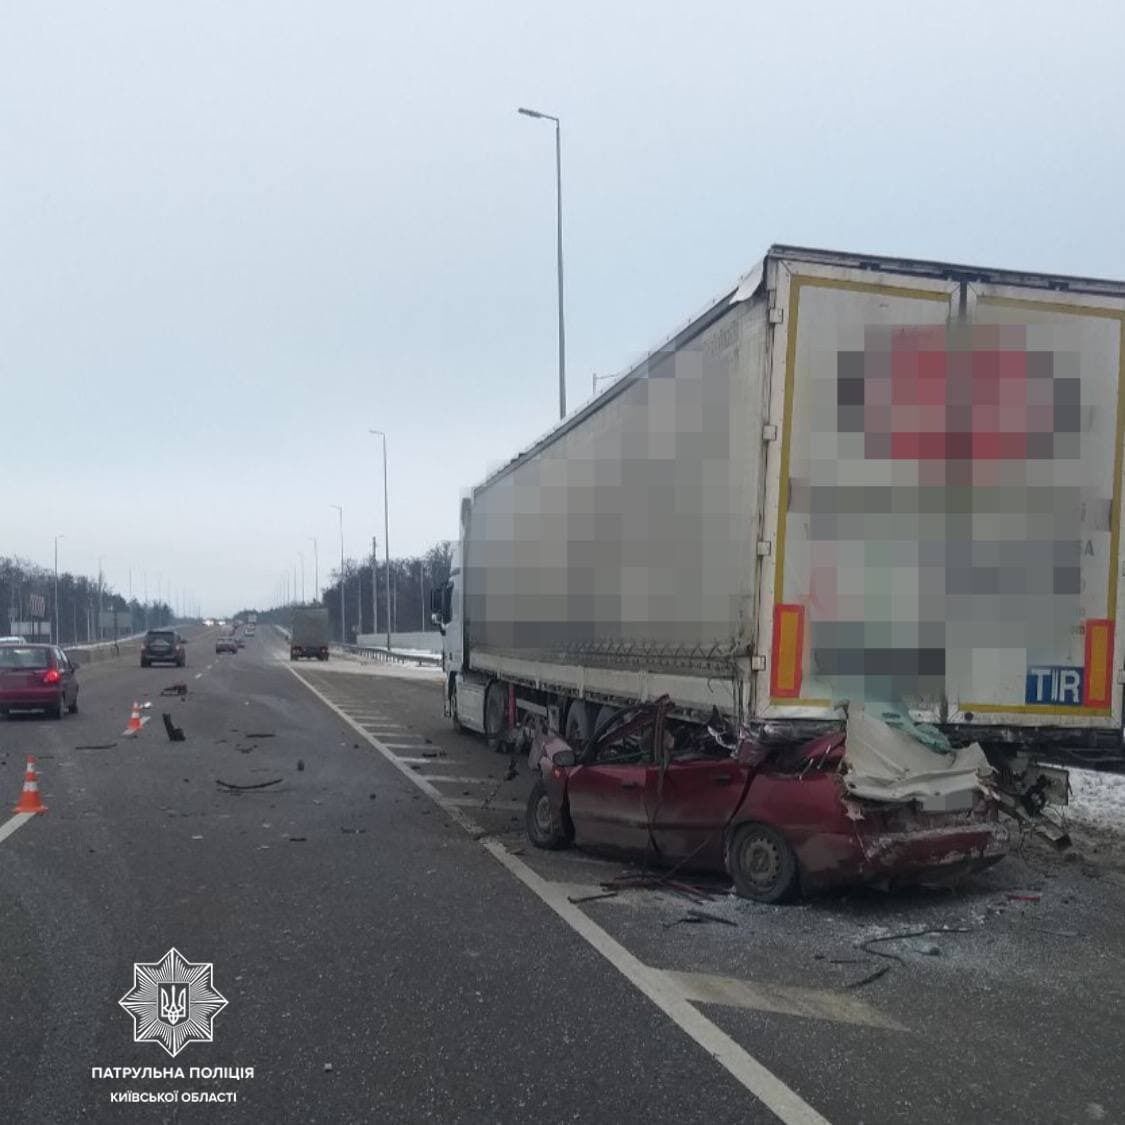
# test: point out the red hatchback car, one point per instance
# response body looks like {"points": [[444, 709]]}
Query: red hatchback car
{"points": [[37, 678], [776, 820]]}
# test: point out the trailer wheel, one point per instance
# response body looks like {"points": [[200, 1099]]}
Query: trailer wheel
{"points": [[545, 828], [761, 864]]}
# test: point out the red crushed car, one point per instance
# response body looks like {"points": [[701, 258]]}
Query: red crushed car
{"points": [[861, 804], [37, 678]]}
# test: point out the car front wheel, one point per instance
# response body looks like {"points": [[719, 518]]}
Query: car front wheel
{"points": [[545, 827], [761, 864]]}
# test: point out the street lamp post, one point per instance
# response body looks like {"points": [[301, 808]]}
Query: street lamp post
{"points": [[101, 589], [316, 570], [301, 556], [558, 213], [343, 620], [56, 636], [386, 540]]}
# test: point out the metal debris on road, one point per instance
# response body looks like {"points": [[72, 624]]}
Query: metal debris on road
{"points": [[1024, 898], [260, 734], [175, 689], [589, 898], [882, 970], [298, 839], [258, 785], [352, 831], [175, 733], [95, 746], [300, 764]]}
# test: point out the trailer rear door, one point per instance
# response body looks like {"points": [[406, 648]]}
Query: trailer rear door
{"points": [[947, 499]]}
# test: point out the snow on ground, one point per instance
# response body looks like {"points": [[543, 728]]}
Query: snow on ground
{"points": [[1097, 799]]}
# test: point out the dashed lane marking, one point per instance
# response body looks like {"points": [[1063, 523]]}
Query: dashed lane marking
{"points": [[479, 804], [458, 780], [17, 821], [786, 1000], [660, 987]]}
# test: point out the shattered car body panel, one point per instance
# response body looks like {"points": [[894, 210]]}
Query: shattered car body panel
{"points": [[856, 805]]}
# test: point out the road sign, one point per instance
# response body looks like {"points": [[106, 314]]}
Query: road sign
{"points": [[37, 604]]}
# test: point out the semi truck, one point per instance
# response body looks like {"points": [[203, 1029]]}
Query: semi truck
{"points": [[849, 477], [309, 633]]}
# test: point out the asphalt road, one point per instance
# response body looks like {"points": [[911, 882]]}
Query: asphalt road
{"points": [[392, 950]]}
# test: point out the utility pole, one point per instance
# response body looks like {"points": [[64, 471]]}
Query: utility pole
{"points": [[558, 216], [301, 556], [422, 590], [386, 538], [316, 570], [374, 585], [343, 618], [55, 638]]}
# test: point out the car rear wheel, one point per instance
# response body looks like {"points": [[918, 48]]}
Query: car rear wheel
{"points": [[761, 864], [545, 828], [55, 711], [73, 708]]}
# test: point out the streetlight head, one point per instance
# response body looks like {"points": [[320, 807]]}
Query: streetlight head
{"points": [[529, 112]]}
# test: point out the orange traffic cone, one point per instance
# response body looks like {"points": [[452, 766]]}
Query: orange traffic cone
{"points": [[135, 723], [29, 798]]}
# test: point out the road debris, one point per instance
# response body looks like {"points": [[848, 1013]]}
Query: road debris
{"points": [[882, 970], [1024, 898], [590, 898], [258, 785], [300, 764], [260, 734], [298, 839], [175, 689], [94, 746], [175, 733]]}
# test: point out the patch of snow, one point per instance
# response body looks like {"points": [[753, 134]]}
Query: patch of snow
{"points": [[1097, 799]]}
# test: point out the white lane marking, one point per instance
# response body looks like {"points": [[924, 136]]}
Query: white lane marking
{"points": [[210, 666], [198, 675], [786, 1104], [425, 761], [787, 1000], [480, 804], [17, 821], [458, 780], [418, 745]]}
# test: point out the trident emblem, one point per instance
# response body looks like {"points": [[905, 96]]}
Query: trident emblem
{"points": [[173, 1002]]}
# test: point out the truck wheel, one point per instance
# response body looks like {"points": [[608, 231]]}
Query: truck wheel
{"points": [[453, 707], [545, 828], [761, 864], [495, 712]]}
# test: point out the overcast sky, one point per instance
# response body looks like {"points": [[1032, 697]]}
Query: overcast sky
{"points": [[235, 236]]}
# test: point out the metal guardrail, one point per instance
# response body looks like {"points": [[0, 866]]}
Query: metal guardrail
{"points": [[392, 656], [379, 652]]}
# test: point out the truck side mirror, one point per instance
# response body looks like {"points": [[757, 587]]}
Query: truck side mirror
{"points": [[435, 604]]}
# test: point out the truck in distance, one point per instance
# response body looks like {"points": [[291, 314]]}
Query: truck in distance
{"points": [[309, 633]]}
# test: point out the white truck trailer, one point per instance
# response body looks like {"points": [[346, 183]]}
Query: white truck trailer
{"points": [[850, 477]]}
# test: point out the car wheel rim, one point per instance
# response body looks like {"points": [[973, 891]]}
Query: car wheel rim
{"points": [[543, 818], [761, 861]]}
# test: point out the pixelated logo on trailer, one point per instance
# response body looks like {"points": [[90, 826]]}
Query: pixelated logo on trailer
{"points": [[173, 1002], [940, 393]]}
